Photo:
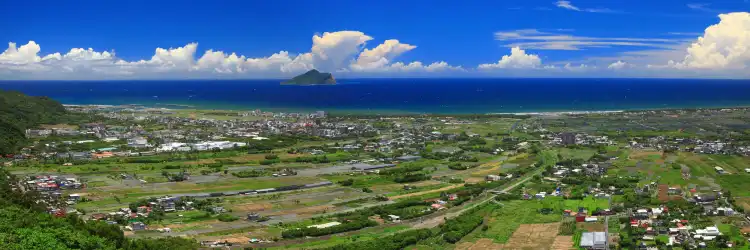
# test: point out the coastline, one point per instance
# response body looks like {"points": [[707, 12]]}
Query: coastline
{"points": [[397, 113]]}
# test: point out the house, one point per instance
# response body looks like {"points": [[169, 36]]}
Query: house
{"points": [[98, 216], [38, 133], [138, 142], [394, 218], [540, 195], [218, 210], [705, 198], [452, 197], [726, 211], [136, 226], [253, 216], [102, 155], [408, 158], [641, 214], [594, 240], [709, 233], [492, 177]]}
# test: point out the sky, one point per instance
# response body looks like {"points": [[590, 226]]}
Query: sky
{"points": [[63, 40]]}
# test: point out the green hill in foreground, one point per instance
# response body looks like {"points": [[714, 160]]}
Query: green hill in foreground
{"points": [[312, 77], [19, 112]]}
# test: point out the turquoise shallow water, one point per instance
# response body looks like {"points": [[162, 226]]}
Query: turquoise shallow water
{"points": [[446, 96]]}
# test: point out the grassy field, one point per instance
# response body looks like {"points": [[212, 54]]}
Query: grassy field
{"points": [[105, 197], [365, 234], [583, 154], [702, 166], [481, 127], [505, 219]]}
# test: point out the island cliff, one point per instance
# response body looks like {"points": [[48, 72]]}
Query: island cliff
{"points": [[312, 77]]}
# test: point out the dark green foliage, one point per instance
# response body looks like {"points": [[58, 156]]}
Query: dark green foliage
{"points": [[251, 173], [460, 166], [268, 162], [508, 196], [271, 157], [393, 242], [226, 217], [25, 224], [344, 227], [19, 112], [347, 182], [456, 228], [275, 142]]}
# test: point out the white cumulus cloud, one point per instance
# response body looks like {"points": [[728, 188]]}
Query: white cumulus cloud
{"points": [[334, 50], [518, 59], [340, 51], [381, 55], [21, 55], [725, 45], [618, 65]]}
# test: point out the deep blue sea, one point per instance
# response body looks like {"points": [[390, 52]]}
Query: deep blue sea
{"points": [[445, 96]]}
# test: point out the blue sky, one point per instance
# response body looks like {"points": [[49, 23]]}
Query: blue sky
{"points": [[567, 38]]}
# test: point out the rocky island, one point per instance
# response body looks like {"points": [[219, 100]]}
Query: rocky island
{"points": [[312, 77]]}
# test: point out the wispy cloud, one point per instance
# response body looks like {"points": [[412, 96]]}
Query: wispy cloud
{"points": [[569, 6], [684, 33], [700, 7], [535, 39], [706, 7]]}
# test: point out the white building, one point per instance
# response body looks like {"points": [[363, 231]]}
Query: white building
{"points": [[138, 142]]}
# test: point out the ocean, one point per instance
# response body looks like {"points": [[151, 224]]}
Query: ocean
{"points": [[408, 96]]}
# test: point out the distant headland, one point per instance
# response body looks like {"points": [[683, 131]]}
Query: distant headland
{"points": [[312, 77]]}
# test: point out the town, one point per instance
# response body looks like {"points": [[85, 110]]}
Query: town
{"points": [[661, 179]]}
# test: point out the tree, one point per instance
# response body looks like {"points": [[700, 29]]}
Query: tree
{"points": [[26, 224]]}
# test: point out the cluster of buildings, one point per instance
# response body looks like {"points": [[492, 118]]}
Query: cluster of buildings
{"points": [[53, 183], [564, 139], [589, 169]]}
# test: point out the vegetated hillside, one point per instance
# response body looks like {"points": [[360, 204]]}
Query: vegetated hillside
{"points": [[19, 112], [25, 224]]}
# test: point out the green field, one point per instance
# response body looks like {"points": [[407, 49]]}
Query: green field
{"points": [[362, 235], [504, 219]]}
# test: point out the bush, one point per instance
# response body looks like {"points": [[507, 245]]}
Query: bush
{"points": [[250, 173], [456, 228], [394, 242], [312, 231], [347, 182], [172, 167], [226, 217], [272, 157], [455, 180], [268, 162]]}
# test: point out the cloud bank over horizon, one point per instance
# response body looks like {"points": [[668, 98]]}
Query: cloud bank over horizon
{"points": [[722, 50]]}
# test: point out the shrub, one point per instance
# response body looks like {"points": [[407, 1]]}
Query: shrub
{"points": [[347, 182], [272, 157], [226, 217], [250, 173]]}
